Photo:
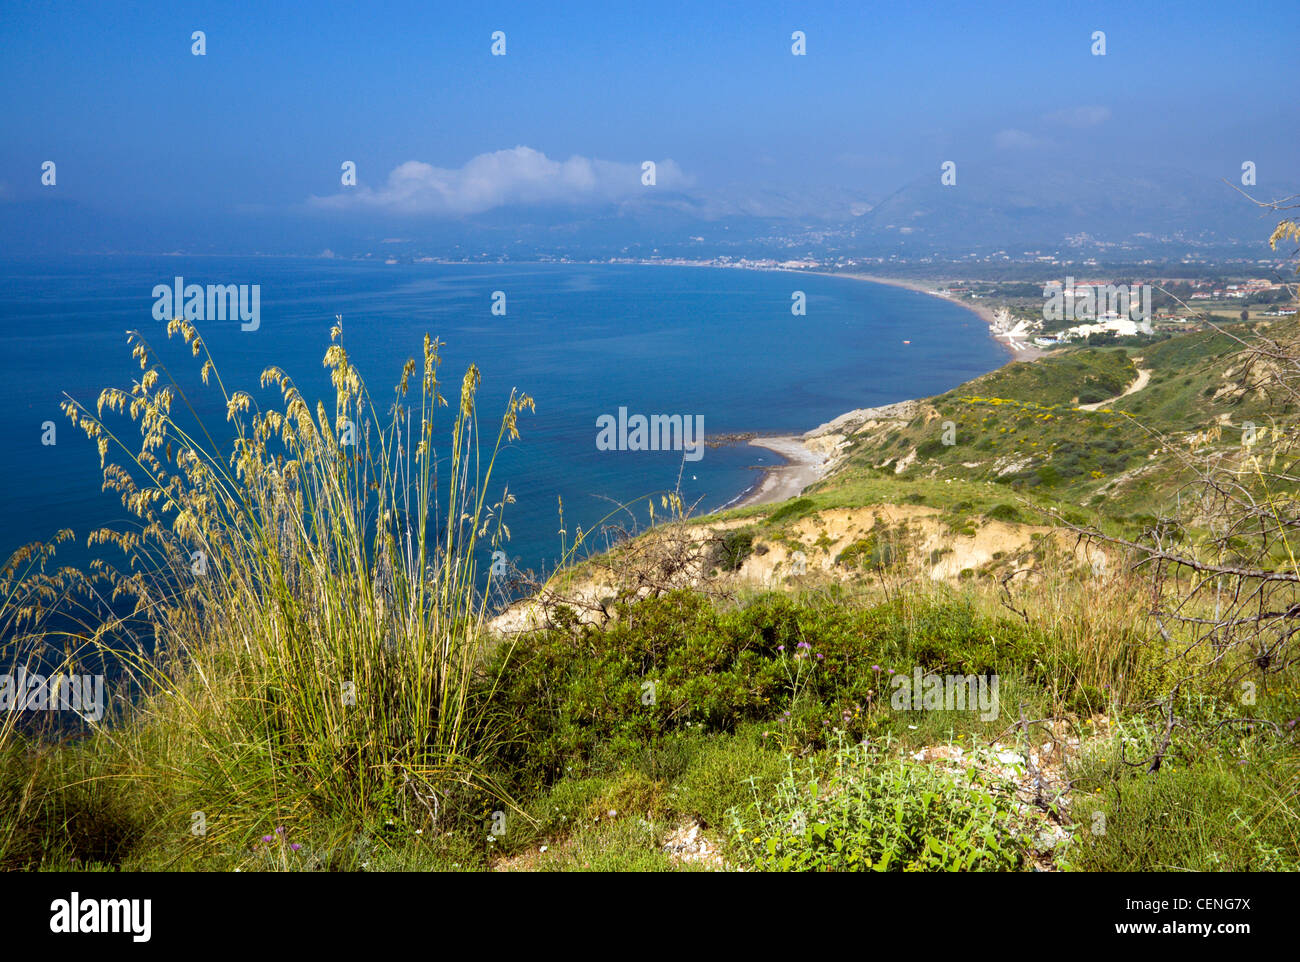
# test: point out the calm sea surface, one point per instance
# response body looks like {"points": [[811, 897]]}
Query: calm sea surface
{"points": [[583, 340]]}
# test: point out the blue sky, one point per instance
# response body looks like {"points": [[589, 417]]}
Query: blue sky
{"points": [[286, 92]]}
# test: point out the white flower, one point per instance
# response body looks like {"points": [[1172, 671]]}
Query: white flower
{"points": [[543, 848]]}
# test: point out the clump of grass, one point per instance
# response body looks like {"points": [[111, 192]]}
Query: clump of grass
{"points": [[1204, 819], [792, 510], [876, 550], [308, 609], [33, 636]]}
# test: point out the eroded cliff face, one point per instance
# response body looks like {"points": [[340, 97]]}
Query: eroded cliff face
{"points": [[837, 545]]}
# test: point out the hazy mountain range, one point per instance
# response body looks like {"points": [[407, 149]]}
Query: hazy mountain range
{"points": [[1008, 206]]}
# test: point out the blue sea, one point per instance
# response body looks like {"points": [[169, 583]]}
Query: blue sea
{"points": [[583, 340]]}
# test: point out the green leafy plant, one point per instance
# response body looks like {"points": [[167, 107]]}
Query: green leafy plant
{"points": [[876, 811]]}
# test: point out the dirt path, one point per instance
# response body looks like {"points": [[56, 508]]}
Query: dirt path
{"points": [[1143, 379]]}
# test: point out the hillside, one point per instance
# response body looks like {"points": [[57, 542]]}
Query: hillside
{"points": [[1056, 434], [915, 665], [1103, 437]]}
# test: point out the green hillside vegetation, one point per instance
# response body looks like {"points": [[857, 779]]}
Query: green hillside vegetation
{"points": [[1019, 435], [699, 722], [1071, 377]]}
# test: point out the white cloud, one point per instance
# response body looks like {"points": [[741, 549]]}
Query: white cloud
{"points": [[1079, 117], [1012, 139], [500, 179]]}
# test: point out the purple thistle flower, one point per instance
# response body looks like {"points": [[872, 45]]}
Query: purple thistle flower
{"points": [[295, 846]]}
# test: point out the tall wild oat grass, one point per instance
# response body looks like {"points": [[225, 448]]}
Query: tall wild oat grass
{"points": [[39, 629], [306, 601]]}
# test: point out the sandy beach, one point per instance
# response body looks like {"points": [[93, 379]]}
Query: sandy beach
{"points": [[803, 466]]}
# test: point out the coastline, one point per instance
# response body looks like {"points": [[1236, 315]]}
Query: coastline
{"points": [[984, 313], [781, 482], [1026, 354], [803, 466]]}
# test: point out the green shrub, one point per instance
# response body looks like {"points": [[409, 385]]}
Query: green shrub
{"points": [[873, 551], [577, 696], [876, 812], [1004, 512], [735, 546]]}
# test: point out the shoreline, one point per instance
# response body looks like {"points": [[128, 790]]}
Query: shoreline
{"points": [[781, 482], [1027, 354], [803, 466]]}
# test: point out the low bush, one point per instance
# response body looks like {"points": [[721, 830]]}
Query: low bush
{"points": [[872, 811]]}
